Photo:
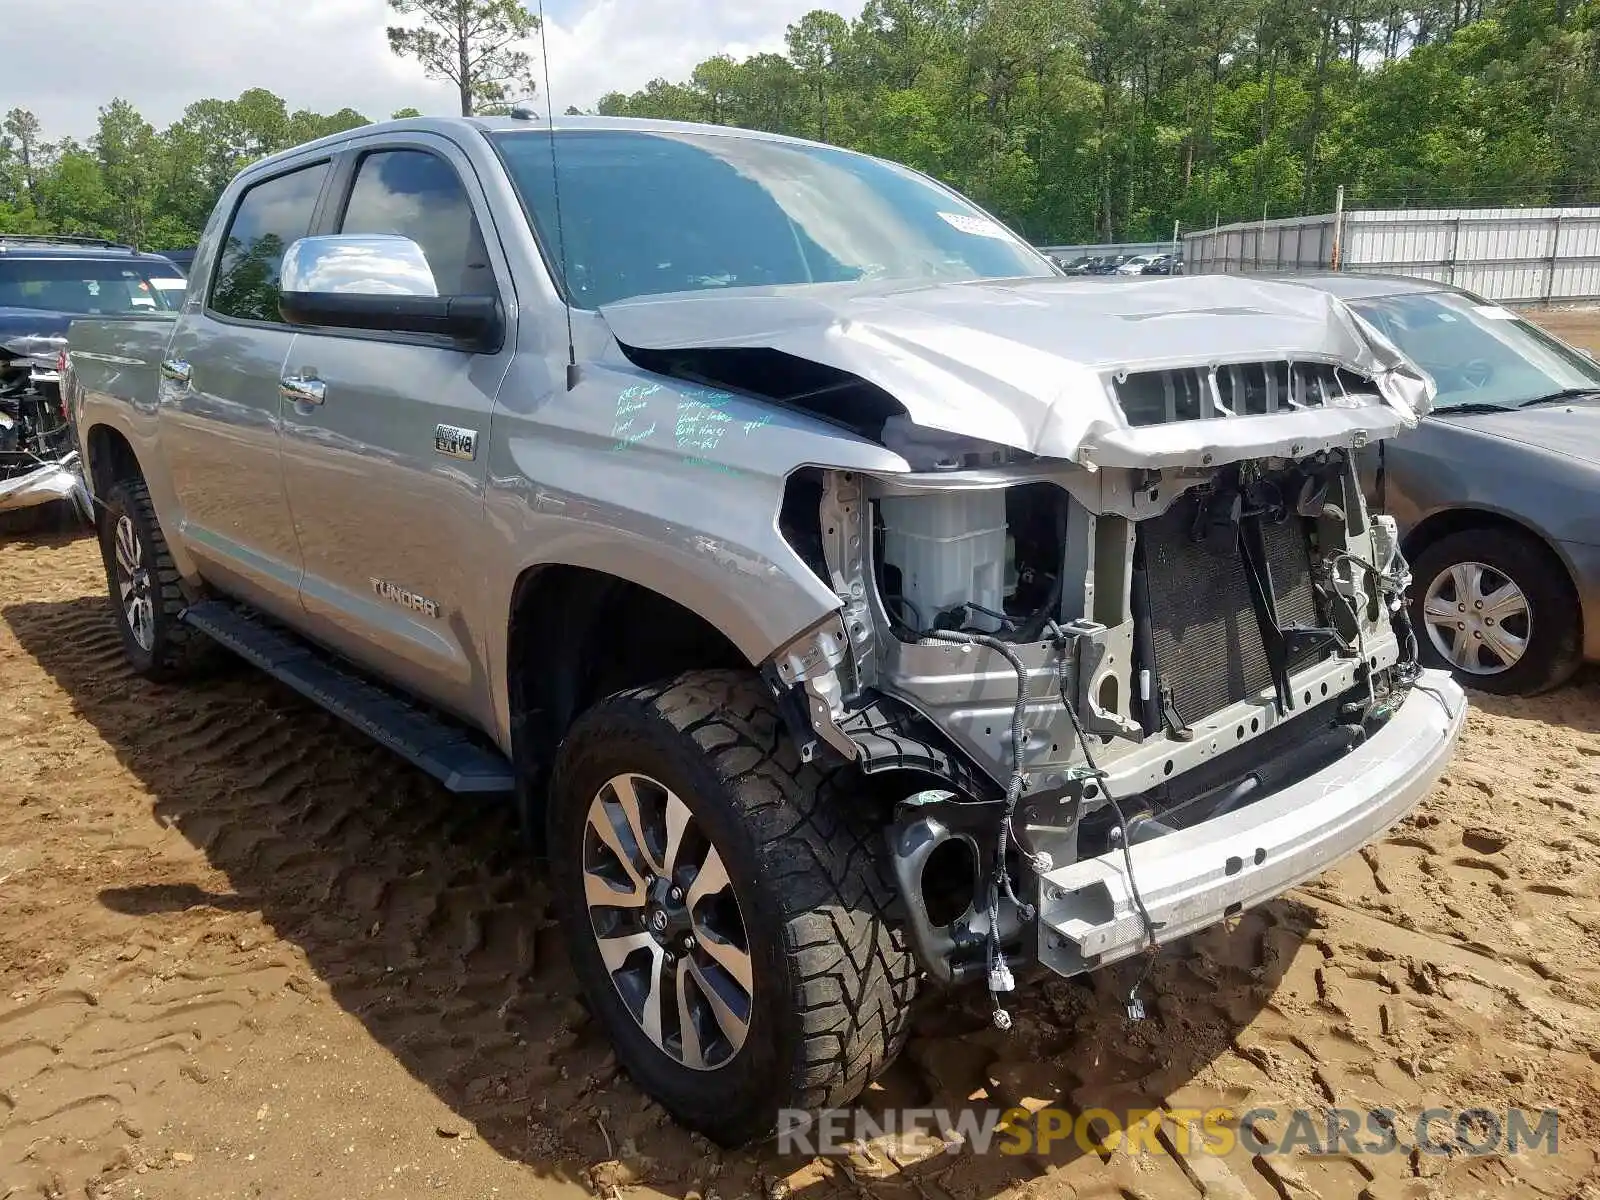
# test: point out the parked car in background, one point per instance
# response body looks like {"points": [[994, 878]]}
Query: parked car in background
{"points": [[183, 258], [1135, 264], [44, 283], [1104, 264], [1497, 493], [1164, 264], [1075, 266]]}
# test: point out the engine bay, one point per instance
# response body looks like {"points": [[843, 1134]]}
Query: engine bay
{"points": [[1070, 662], [38, 456]]}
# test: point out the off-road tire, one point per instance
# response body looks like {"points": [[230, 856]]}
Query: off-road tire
{"points": [[1555, 642], [176, 649], [805, 853]]}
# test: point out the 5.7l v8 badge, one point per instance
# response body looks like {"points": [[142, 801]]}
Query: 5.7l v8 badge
{"points": [[455, 441]]}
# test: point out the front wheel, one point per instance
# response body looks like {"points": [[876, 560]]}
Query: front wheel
{"points": [[725, 906], [1496, 608]]}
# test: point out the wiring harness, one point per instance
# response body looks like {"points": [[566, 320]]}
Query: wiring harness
{"points": [[999, 882]]}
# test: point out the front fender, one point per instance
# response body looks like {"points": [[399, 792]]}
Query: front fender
{"points": [[666, 484]]}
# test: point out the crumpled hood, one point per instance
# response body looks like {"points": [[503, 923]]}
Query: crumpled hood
{"points": [[1570, 429], [1027, 363]]}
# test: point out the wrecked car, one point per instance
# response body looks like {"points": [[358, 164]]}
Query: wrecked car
{"points": [[44, 282], [851, 602]]}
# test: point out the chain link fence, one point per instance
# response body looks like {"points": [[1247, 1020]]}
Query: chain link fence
{"points": [[1514, 253]]}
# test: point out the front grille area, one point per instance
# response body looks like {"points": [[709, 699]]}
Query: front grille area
{"points": [[1241, 389], [1208, 645]]}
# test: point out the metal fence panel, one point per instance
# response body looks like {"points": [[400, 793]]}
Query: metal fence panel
{"points": [[1297, 244], [1520, 255]]}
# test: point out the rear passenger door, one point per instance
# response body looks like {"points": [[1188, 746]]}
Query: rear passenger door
{"points": [[219, 408], [385, 474]]}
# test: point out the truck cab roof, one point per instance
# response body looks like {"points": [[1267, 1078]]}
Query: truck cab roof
{"points": [[455, 126]]}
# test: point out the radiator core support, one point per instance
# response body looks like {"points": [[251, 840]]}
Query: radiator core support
{"points": [[1200, 682], [1202, 626]]}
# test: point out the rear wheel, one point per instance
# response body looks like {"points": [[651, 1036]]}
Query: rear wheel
{"points": [[1496, 608], [725, 906], [146, 594]]}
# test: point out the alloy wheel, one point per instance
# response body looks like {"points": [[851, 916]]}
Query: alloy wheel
{"points": [[1478, 619], [667, 923], [133, 584]]}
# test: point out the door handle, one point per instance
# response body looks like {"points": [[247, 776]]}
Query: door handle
{"points": [[297, 389], [176, 370]]}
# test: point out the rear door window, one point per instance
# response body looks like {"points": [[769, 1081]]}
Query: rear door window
{"points": [[271, 217]]}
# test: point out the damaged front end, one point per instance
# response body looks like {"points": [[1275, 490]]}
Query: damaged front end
{"points": [[1125, 703], [1123, 635], [1065, 671], [39, 461]]}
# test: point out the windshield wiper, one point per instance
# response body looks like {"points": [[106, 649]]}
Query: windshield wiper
{"points": [[1475, 406], [1578, 393]]}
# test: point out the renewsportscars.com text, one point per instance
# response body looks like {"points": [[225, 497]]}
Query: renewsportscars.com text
{"points": [[1217, 1130]]}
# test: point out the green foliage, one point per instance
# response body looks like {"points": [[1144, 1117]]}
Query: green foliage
{"points": [[1073, 120], [1077, 120], [134, 184], [472, 43]]}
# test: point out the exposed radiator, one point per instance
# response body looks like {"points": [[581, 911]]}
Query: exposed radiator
{"points": [[1208, 645]]}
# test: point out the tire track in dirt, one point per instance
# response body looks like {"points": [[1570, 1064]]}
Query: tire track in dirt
{"points": [[224, 897]]}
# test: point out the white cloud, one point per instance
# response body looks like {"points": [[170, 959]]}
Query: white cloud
{"points": [[622, 44], [329, 54]]}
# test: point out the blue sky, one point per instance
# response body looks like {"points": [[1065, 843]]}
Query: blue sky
{"points": [[326, 54]]}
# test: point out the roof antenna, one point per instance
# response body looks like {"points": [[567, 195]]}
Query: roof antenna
{"points": [[555, 187]]}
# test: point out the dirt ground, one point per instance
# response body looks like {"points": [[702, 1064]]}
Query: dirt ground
{"points": [[1580, 325], [245, 953]]}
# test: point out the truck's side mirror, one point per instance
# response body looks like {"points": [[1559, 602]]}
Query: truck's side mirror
{"points": [[380, 282]]}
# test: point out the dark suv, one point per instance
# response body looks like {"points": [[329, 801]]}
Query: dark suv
{"points": [[46, 282]]}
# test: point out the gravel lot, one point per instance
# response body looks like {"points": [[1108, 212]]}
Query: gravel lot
{"points": [[245, 953]]}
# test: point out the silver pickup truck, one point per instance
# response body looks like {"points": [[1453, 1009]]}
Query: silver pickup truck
{"points": [[850, 601]]}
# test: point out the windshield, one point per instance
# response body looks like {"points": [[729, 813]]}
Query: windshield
{"points": [[90, 286], [646, 213], [1478, 353]]}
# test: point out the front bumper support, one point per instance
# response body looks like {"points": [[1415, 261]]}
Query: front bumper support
{"points": [[48, 482], [1195, 877]]}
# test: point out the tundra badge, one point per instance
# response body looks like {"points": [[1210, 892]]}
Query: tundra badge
{"points": [[455, 441], [385, 590]]}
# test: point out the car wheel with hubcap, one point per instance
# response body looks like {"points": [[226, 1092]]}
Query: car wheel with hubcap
{"points": [[725, 906], [146, 594], [1496, 608], [133, 584], [667, 922]]}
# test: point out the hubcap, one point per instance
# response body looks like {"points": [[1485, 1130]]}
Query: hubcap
{"points": [[667, 922], [133, 584], [1477, 618]]}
